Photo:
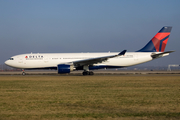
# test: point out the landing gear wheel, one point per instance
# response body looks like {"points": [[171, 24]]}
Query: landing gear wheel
{"points": [[85, 73], [23, 73], [88, 73], [91, 73]]}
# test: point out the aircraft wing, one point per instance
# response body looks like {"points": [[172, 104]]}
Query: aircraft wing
{"points": [[96, 60], [160, 54]]}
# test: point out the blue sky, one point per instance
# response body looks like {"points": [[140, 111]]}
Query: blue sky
{"points": [[58, 26]]}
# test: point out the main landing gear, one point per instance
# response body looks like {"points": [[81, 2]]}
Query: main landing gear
{"points": [[88, 73], [86, 70]]}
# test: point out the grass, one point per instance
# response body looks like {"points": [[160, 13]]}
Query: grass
{"points": [[90, 97]]}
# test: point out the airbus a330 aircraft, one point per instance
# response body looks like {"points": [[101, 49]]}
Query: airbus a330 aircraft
{"points": [[68, 62]]}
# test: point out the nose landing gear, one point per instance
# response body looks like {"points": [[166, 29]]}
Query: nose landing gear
{"points": [[23, 72]]}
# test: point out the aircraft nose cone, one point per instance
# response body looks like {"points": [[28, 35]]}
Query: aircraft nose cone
{"points": [[7, 62]]}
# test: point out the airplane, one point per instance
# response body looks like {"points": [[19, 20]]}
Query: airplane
{"points": [[68, 62]]}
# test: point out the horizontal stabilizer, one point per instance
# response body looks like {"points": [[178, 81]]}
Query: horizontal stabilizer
{"points": [[160, 54]]}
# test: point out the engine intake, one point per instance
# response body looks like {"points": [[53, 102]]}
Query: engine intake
{"points": [[65, 68]]}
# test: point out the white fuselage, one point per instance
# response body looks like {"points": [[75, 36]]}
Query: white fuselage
{"points": [[47, 60]]}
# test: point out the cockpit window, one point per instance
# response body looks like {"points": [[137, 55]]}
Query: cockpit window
{"points": [[11, 58]]}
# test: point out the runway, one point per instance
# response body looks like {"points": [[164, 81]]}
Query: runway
{"points": [[96, 72]]}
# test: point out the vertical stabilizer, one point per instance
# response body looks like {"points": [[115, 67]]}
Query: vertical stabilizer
{"points": [[158, 42]]}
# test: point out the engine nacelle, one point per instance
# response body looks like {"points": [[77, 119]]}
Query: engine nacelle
{"points": [[65, 68]]}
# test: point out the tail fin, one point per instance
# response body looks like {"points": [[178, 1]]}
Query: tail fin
{"points": [[158, 42]]}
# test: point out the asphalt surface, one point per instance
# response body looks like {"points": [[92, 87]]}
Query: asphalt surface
{"points": [[96, 72]]}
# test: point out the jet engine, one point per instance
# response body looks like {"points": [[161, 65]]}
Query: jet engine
{"points": [[65, 68]]}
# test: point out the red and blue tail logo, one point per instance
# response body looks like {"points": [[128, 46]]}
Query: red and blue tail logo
{"points": [[158, 42]]}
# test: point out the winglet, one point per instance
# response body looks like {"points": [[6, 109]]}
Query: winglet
{"points": [[123, 52]]}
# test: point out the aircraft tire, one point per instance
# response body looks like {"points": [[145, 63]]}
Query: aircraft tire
{"points": [[88, 73], [85, 73], [23, 73], [91, 73]]}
